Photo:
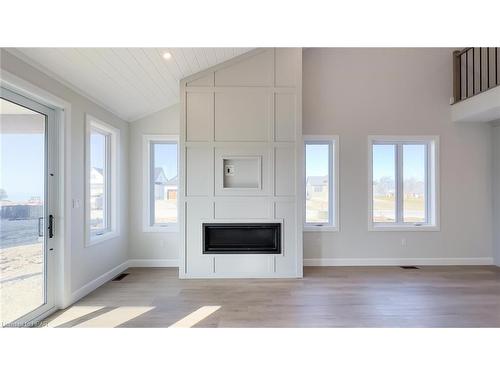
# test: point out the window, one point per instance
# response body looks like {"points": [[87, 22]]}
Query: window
{"points": [[99, 181], [321, 180], [101, 174], [161, 183], [403, 183]]}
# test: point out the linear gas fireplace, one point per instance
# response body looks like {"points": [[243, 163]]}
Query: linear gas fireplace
{"points": [[241, 238]]}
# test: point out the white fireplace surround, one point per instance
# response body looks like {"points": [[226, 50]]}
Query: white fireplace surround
{"points": [[244, 114]]}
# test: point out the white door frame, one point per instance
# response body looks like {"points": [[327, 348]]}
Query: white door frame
{"points": [[62, 211], [50, 244]]}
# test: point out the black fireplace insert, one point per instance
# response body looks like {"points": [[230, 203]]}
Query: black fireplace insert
{"points": [[241, 238]]}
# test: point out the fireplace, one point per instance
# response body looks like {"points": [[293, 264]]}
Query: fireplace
{"points": [[241, 238]]}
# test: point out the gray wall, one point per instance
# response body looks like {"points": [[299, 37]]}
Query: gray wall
{"points": [[496, 193], [89, 263], [149, 245], [354, 93]]}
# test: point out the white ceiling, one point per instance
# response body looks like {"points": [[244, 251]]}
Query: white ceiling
{"points": [[130, 82]]}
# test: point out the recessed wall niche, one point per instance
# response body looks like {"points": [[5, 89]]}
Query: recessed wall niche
{"points": [[242, 172]]}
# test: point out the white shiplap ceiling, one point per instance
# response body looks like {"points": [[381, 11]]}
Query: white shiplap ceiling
{"points": [[130, 82]]}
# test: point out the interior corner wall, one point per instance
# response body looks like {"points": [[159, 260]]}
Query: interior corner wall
{"points": [[149, 248], [358, 92], [88, 265], [496, 193]]}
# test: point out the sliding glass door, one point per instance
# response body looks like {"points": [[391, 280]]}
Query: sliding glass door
{"points": [[27, 233]]}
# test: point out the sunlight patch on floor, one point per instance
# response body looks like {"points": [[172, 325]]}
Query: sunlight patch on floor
{"points": [[116, 317], [195, 317], [74, 312]]}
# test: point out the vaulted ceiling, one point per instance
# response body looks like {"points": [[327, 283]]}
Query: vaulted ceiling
{"points": [[130, 82]]}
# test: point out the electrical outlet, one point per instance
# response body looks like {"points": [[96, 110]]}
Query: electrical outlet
{"points": [[76, 203], [403, 242]]}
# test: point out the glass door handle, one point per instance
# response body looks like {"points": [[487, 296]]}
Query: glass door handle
{"points": [[40, 226], [51, 226]]}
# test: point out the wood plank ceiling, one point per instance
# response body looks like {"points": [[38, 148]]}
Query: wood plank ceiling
{"points": [[130, 82]]}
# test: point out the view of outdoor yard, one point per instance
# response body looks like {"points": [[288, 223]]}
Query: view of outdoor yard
{"points": [[317, 182], [384, 208], [98, 188], [413, 182], [317, 199], [166, 210], [164, 160], [22, 280], [22, 169]]}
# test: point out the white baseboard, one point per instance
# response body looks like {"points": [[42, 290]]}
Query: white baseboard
{"points": [[314, 262], [96, 283], [153, 263], [327, 262]]}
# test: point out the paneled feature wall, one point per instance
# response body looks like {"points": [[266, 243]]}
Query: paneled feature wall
{"points": [[245, 114]]}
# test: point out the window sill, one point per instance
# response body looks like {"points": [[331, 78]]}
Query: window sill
{"points": [[320, 228], [161, 229], [403, 228], [96, 239]]}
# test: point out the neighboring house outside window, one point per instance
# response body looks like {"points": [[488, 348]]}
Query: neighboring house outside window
{"points": [[96, 189], [101, 160], [317, 191], [321, 183], [160, 183], [403, 183]]}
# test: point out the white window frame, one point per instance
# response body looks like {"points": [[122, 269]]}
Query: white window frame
{"points": [[148, 226], [112, 229], [432, 187], [333, 223]]}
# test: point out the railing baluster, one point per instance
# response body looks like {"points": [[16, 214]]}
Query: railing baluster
{"points": [[466, 74], [488, 67], [461, 79], [496, 66], [480, 69], [473, 71]]}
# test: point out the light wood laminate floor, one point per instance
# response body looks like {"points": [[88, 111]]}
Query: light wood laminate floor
{"points": [[465, 296]]}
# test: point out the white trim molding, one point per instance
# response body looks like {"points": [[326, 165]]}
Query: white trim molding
{"points": [[153, 263], [97, 282], [344, 262], [63, 216], [111, 274], [112, 176]]}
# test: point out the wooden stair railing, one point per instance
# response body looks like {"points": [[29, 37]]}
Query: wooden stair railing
{"points": [[475, 70]]}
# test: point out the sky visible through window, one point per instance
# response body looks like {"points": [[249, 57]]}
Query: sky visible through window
{"points": [[165, 155], [317, 159], [97, 150], [383, 161], [22, 166]]}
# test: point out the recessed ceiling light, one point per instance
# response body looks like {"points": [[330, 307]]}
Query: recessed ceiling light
{"points": [[167, 55]]}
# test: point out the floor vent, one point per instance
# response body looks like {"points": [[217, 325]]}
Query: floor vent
{"points": [[410, 268], [120, 277]]}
